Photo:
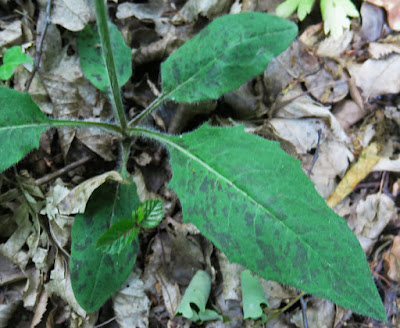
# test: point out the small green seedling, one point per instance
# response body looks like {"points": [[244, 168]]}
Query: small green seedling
{"points": [[243, 192], [334, 13], [11, 59]]}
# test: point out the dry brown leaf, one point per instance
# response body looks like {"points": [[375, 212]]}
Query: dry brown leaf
{"points": [[377, 77], [347, 113], [72, 14], [75, 201], [207, 8], [320, 313], [10, 32], [40, 309], [372, 216], [368, 159], [372, 21], [131, 305], [6, 312], [392, 261], [392, 8]]}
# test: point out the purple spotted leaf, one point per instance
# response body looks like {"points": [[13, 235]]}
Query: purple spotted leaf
{"points": [[95, 275], [228, 52], [253, 201]]}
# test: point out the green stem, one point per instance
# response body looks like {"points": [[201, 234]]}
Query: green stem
{"points": [[125, 148], [157, 102], [102, 24], [112, 128]]}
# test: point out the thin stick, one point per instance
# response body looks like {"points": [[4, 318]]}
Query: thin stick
{"points": [[63, 170], [304, 312], [39, 46], [316, 155]]}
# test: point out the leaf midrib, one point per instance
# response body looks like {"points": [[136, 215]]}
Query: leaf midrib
{"points": [[246, 195], [206, 67]]}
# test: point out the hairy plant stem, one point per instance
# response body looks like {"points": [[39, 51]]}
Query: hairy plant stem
{"points": [[116, 100], [157, 102], [112, 128], [125, 148]]}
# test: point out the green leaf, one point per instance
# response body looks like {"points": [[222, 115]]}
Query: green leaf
{"points": [[92, 61], [95, 275], [197, 294], [228, 52], [334, 13], [288, 7], [21, 123], [11, 59], [150, 213], [253, 201], [119, 236], [253, 296]]}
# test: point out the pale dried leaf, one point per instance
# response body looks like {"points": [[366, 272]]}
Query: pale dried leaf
{"points": [[301, 133], [303, 106], [10, 32], [331, 47], [332, 162], [392, 260], [40, 309], [373, 214], [131, 305], [387, 164], [60, 284], [377, 77], [320, 313], [347, 113], [72, 14], [32, 288], [380, 50], [231, 284], [170, 292], [75, 201], [12, 248], [207, 8]]}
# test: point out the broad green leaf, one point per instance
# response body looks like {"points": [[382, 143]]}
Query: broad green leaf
{"points": [[228, 52], [288, 7], [92, 61], [95, 275], [11, 59], [119, 236], [21, 123], [252, 295], [197, 294], [253, 201], [334, 14], [150, 213]]}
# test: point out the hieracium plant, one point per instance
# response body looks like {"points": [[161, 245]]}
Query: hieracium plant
{"points": [[245, 194]]}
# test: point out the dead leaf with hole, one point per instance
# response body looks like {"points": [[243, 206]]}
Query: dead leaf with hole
{"points": [[72, 14], [392, 8], [372, 216], [391, 260], [377, 77]]}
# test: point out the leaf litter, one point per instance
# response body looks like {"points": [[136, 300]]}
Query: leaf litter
{"points": [[299, 94]]}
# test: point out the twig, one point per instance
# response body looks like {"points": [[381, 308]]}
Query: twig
{"points": [[105, 322], [304, 312], [316, 154], [39, 46], [62, 171]]}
